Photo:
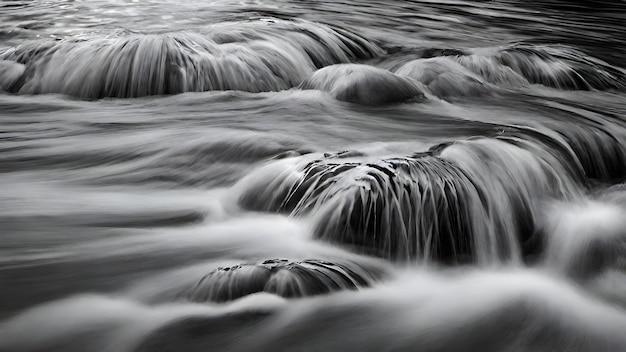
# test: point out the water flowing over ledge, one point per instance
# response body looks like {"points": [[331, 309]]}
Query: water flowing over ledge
{"points": [[272, 55], [312, 176], [468, 201], [255, 56]]}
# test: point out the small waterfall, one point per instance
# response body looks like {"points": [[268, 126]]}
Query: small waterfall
{"points": [[477, 71], [274, 55], [401, 208], [312, 176], [474, 200], [600, 150], [558, 67], [515, 180], [255, 56]]}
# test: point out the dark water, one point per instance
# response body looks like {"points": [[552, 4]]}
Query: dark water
{"points": [[312, 176]]}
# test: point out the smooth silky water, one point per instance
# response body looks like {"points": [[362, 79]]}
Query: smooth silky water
{"points": [[312, 176]]}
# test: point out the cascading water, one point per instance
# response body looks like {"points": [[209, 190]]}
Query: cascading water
{"points": [[266, 56], [263, 176]]}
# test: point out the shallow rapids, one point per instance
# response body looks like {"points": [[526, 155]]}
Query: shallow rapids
{"points": [[312, 176]]}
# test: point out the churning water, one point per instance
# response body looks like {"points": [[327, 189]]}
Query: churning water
{"points": [[312, 176]]}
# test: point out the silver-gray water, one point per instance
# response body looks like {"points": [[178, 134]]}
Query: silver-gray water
{"points": [[312, 176]]}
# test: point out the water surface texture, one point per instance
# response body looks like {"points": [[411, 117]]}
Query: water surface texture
{"points": [[312, 175]]}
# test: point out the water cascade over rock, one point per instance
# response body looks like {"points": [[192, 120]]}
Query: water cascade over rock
{"points": [[284, 278], [253, 56], [559, 67], [468, 201], [312, 176]]}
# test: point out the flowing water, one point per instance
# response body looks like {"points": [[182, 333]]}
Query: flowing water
{"points": [[312, 176]]}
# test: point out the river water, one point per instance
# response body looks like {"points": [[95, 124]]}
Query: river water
{"points": [[312, 176]]}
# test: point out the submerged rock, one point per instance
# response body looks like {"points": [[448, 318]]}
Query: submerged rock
{"points": [[409, 208], [284, 278], [362, 84], [444, 77]]}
